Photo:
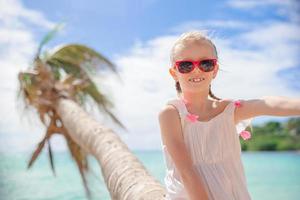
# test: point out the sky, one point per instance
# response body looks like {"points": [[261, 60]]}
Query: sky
{"points": [[257, 42]]}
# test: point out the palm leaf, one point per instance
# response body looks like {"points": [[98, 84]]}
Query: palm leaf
{"points": [[82, 56], [81, 162], [102, 102], [51, 157], [37, 151], [49, 36], [63, 58]]}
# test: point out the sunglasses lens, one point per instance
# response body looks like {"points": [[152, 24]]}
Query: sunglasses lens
{"points": [[185, 67], [207, 65]]}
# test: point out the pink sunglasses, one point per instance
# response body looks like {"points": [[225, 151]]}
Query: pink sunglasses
{"points": [[186, 66]]}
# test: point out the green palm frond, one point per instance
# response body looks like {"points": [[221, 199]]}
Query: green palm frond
{"points": [[49, 36], [78, 58]]}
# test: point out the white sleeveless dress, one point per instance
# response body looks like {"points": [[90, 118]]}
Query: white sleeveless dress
{"points": [[215, 150]]}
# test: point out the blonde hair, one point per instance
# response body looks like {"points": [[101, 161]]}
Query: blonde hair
{"points": [[181, 42], [189, 37]]}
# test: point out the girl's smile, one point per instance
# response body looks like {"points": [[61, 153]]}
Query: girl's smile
{"points": [[196, 80]]}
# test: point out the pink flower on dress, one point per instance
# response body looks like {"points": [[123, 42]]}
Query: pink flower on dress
{"points": [[245, 135], [237, 103], [189, 116], [192, 117]]}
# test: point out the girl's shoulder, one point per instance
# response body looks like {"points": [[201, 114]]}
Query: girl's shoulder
{"points": [[224, 104], [234, 102], [227, 100], [172, 107]]}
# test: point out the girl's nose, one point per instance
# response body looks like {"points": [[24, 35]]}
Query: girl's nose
{"points": [[197, 69]]}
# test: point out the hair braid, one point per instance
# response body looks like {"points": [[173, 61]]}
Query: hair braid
{"points": [[211, 94]]}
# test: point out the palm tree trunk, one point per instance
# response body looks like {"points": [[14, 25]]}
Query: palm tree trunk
{"points": [[125, 176]]}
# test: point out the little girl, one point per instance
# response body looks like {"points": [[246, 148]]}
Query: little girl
{"points": [[200, 132]]}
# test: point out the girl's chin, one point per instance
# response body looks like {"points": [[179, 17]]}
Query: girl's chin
{"points": [[197, 88], [197, 84]]}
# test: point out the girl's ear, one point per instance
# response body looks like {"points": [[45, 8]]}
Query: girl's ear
{"points": [[173, 73]]}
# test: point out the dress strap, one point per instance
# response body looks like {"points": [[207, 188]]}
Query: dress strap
{"points": [[230, 107], [179, 105], [243, 124]]}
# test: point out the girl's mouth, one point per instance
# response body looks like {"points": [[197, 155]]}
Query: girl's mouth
{"points": [[196, 80]]}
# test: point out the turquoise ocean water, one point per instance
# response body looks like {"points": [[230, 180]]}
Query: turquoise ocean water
{"points": [[270, 176]]}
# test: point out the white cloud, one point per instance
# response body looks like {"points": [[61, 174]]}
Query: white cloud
{"points": [[13, 13], [288, 8], [144, 71], [211, 25]]}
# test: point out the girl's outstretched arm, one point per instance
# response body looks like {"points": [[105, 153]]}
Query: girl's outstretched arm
{"points": [[268, 105]]}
